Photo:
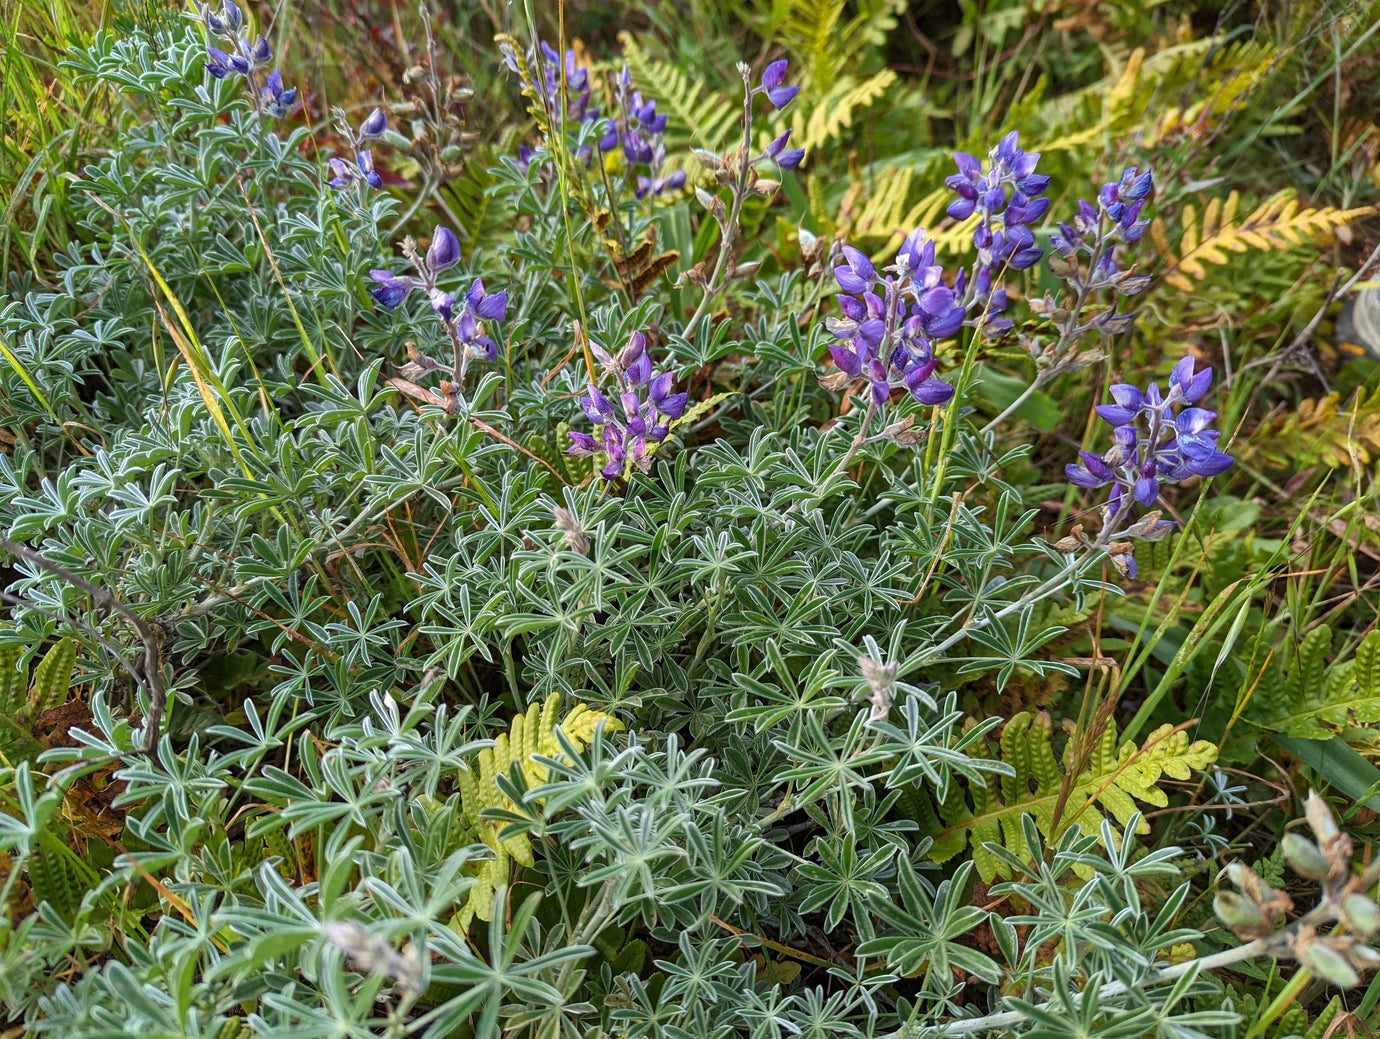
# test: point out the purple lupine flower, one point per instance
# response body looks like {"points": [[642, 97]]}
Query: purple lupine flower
{"points": [[392, 288], [785, 158], [1155, 440], [1094, 233], [773, 76], [367, 173], [218, 63], [1006, 197], [278, 100], [261, 52], [488, 306], [892, 319], [444, 250]]}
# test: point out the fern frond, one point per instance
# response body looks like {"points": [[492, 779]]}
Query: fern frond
{"points": [[53, 676], [1277, 223], [1112, 783], [1322, 431], [14, 681], [827, 117], [530, 736], [1320, 699]]}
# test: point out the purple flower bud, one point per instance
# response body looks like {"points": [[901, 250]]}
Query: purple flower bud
{"points": [[583, 445], [1147, 490], [444, 250], [374, 126], [262, 52], [234, 18], [391, 289]]}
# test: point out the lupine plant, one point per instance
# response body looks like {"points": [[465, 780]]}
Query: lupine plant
{"points": [[688, 669]]}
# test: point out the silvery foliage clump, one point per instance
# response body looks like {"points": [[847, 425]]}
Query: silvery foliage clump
{"points": [[354, 589]]}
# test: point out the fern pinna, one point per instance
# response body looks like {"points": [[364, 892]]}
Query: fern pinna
{"points": [[531, 737], [1114, 779]]}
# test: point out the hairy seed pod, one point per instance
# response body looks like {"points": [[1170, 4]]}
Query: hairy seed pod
{"points": [[1320, 819], [1304, 856], [1239, 913], [1328, 964], [1362, 915]]}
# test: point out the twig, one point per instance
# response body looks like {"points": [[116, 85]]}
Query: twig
{"points": [[152, 673]]}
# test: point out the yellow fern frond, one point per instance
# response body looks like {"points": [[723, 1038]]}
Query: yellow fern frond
{"points": [[830, 115], [1277, 223], [1322, 431], [530, 735]]}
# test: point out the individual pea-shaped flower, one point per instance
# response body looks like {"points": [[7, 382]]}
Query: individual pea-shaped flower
{"points": [[672, 405], [659, 186], [277, 100], [785, 158], [391, 289], [362, 169], [219, 64], [773, 76], [444, 250], [858, 274], [487, 306]]}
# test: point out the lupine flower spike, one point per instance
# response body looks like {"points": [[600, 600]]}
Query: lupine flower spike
{"points": [[640, 130], [244, 58], [1157, 439], [361, 170], [462, 320], [647, 407]]}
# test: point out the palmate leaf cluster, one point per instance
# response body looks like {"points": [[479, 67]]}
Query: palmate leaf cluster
{"points": [[463, 741]]}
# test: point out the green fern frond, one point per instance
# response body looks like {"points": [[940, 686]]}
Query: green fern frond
{"points": [[53, 676], [1114, 780], [531, 735], [14, 681], [1318, 699], [1325, 431]]}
